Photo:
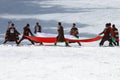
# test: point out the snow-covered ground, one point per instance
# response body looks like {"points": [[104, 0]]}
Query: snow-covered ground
{"points": [[59, 63], [86, 62]]}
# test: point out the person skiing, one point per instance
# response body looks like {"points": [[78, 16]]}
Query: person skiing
{"points": [[60, 37], [116, 34], [37, 28], [11, 34], [107, 35], [74, 32], [26, 32]]}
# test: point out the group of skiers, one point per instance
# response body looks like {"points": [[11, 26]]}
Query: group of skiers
{"points": [[110, 34], [13, 35]]}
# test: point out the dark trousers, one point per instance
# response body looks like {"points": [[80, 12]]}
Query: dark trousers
{"points": [[6, 40], [117, 43], [25, 38], [66, 43], [78, 42], [106, 39]]}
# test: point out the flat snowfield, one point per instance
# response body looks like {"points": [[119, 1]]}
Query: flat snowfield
{"points": [[86, 62], [59, 63]]}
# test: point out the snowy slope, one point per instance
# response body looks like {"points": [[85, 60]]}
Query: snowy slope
{"points": [[59, 63]]}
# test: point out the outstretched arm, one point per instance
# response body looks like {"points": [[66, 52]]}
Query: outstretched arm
{"points": [[101, 33]]}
